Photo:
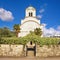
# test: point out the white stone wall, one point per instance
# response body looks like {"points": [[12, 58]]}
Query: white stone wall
{"points": [[30, 18], [48, 51], [11, 50], [27, 26], [17, 50]]}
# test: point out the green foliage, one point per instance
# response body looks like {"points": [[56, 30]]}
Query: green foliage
{"points": [[38, 31], [5, 32], [0, 39], [16, 28], [31, 37]]}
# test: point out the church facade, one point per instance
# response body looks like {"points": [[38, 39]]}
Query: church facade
{"points": [[30, 22]]}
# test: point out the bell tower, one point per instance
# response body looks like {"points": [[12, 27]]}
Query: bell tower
{"points": [[30, 12], [30, 22]]}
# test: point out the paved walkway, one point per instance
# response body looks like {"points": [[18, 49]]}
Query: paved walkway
{"points": [[30, 58]]}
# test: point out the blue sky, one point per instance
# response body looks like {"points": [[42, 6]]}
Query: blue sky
{"points": [[12, 11]]}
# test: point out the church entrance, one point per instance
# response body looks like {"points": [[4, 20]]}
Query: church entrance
{"points": [[30, 49]]}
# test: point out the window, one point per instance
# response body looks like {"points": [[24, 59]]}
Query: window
{"points": [[30, 14]]}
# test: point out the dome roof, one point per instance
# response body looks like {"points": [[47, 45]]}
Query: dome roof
{"points": [[30, 8]]}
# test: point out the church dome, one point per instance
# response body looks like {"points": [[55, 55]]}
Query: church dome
{"points": [[30, 8]]}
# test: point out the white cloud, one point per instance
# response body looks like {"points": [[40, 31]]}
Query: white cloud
{"points": [[44, 24], [50, 32], [58, 27], [5, 15], [39, 16], [41, 13], [41, 10]]}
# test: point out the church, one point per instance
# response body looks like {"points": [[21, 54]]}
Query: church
{"points": [[30, 22]]}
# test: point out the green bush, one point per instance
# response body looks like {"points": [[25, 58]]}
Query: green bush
{"points": [[31, 37]]}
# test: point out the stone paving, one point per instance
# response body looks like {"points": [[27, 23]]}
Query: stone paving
{"points": [[29, 58]]}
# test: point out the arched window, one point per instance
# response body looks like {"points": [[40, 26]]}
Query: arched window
{"points": [[29, 13]]}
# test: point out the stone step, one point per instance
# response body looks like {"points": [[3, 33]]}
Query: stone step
{"points": [[30, 53]]}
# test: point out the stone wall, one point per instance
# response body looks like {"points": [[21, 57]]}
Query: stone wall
{"points": [[11, 50], [19, 50], [47, 51]]}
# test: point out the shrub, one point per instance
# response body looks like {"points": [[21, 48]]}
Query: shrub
{"points": [[34, 38]]}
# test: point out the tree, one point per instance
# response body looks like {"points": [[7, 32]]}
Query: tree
{"points": [[5, 32], [38, 31], [16, 29], [0, 32]]}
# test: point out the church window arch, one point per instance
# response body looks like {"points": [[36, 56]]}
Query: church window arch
{"points": [[30, 14]]}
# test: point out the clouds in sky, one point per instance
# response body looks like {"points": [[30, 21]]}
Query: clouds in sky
{"points": [[41, 11], [51, 31], [39, 16], [58, 27], [6, 15]]}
